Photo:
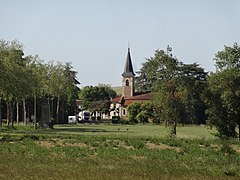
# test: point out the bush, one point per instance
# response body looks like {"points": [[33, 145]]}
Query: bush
{"points": [[115, 119], [123, 121]]}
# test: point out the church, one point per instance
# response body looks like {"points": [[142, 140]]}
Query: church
{"points": [[119, 104]]}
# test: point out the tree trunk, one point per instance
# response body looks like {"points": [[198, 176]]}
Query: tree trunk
{"points": [[17, 118], [28, 110], [8, 113], [63, 114], [57, 110], [174, 130], [49, 109], [0, 112], [52, 116], [239, 129], [166, 123], [35, 112], [12, 113], [24, 112]]}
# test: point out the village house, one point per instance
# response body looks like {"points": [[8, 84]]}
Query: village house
{"points": [[118, 107]]}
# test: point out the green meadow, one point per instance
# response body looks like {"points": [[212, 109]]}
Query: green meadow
{"points": [[117, 152]]}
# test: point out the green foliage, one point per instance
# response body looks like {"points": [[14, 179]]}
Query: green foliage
{"points": [[133, 110], [97, 98], [23, 78], [223, 93], [228, 58], [115, 119], [140, 112], [14, 75], [177, 88], [142, 117], [226, 148]]}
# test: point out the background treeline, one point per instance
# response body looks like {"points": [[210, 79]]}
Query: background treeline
{"points": [[27, 83], [97, 99], [185, 93]]}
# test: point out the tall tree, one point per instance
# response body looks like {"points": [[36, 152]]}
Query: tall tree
{"points": [[223, 94], [71, 89], [23, 78], [62, 85], [177, 88], [39, 82], [13, 62], [97, 98]]}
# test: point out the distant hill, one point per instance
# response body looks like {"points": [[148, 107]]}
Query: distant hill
{"points": [[118, 90]]}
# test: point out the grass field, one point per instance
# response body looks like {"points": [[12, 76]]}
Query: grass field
{"points": [[117, 152]]}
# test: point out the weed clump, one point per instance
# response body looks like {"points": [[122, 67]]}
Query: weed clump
{"points": [[30, 137], [226, 148]]}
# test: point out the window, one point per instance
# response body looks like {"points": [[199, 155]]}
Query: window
{"points": [[127, 82]]}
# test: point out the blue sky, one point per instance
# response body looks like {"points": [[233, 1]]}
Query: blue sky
{"points": [[94, 34]]}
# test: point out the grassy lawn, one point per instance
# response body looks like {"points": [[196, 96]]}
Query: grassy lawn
{"points": [[117, 152]]}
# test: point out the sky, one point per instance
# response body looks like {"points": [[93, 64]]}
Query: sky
{"points": [[94, 35]]}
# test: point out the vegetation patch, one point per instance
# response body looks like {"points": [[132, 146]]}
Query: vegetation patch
{"points": [[129, 155], [138, 157], [162, 147], [45, 144], [60, 142], [236, 148]]}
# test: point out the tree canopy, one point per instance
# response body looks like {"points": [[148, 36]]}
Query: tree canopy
{"points": [[223, 93], [97, 98], [177, 88], [25, 77]]}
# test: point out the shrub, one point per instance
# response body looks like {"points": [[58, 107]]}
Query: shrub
{"points": [[115, 119]]}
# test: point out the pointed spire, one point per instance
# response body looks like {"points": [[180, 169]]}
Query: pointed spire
{"points": [[128, 69]]}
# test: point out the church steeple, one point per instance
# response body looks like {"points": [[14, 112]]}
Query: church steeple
{"points": [[128, 69], [128, 77]]}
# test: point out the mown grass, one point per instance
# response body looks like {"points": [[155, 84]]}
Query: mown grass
{"points": [[113, 152]]}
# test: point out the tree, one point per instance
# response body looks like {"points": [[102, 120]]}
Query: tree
{"points": [[133, 110], [57, 82], [13, 63], [71, 90], [177, 88], [142, 117], [29, 79], [140, 111], [223, 93], [39, 83], [97, 98], [193, 82]]}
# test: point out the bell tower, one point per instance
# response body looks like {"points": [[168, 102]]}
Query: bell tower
{"points": [[128, 77]]}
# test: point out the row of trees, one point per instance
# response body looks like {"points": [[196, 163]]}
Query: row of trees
{"points": [[28, 80], [97, 98], [185, 93]]}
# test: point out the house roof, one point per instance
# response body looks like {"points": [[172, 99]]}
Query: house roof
{"points": [[117, 99], [128, 69], [143, 96], [126, 101]]}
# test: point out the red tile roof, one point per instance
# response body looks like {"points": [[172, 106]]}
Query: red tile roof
{"points": [[126, 101], [117, 99], [145, 96]]}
